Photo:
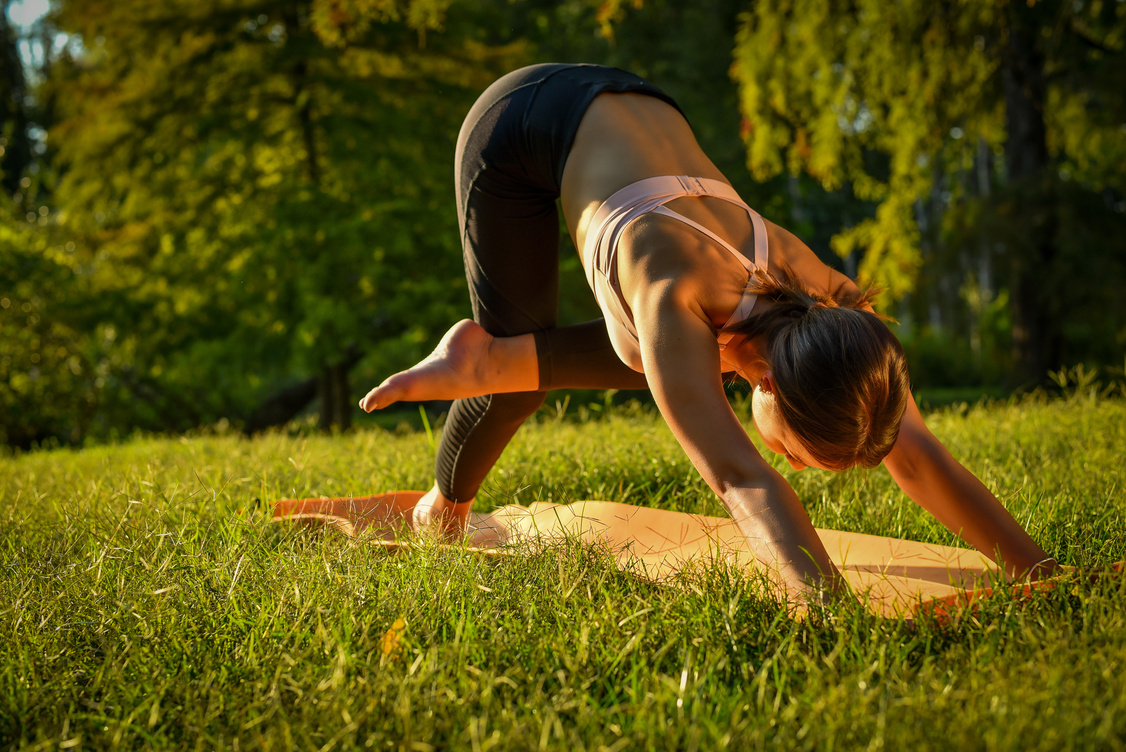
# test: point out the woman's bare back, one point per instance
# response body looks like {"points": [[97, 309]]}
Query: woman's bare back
{"points": [[624, 138]]}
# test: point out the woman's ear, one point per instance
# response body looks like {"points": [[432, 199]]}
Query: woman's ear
{"points": [[767, 382]]}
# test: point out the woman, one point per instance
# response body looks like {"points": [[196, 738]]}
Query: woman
{"points": [[695, 287]]}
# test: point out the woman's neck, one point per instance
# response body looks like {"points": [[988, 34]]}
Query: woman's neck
{"points": [[750, 357]]}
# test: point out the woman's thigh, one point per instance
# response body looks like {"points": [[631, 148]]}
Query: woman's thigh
{"points": [[507, 211], [511, 153]]}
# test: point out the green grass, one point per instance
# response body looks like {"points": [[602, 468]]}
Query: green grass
{"points": [[145, 602]]}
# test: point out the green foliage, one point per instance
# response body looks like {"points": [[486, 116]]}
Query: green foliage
{"points": [[47, 366], [342, 22], [913, 105], [240, 196], [146, 601], [822, 87], [258, 184], [826, 85]]}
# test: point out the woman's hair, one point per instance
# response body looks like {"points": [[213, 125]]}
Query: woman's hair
{"points": [[840, 374]]}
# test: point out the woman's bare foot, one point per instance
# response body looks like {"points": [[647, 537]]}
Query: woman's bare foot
{"points": [[435, 512], [468, 362], [452, 371]]}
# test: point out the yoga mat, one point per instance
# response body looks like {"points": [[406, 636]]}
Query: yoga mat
{"points": [[897, 578]]}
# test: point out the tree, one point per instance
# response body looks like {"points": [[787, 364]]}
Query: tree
{"points": [[256, 183], [15, 147], [907, 101], [46, 378]]}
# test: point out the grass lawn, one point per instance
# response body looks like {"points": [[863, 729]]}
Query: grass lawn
{"points": [[146, 602]]}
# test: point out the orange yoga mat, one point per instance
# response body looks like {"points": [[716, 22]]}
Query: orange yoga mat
{"points": [[897, 577]]}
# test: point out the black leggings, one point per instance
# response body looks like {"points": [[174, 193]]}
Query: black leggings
{"points": [[509, 166]]}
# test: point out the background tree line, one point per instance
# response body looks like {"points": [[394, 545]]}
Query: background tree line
{"points": [[242, 209]]}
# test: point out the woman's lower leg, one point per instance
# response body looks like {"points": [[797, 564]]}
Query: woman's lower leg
{"points": [[475, 434], [470, 362]]}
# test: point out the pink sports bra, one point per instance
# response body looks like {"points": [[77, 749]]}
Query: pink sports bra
{"points": [[599, 253]]}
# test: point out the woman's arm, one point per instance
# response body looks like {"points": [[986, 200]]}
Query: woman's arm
{"points": [[927, 473], [681, 363]]}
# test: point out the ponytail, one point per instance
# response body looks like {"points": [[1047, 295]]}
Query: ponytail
{"points": [[840, 374]]}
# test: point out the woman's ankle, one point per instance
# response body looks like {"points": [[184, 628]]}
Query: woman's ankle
{"points": [[511, 364], [434, 509]]}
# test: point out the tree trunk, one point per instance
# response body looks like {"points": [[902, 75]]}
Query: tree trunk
{"points": [[1036, 334], [16, 154], [336, 398], [281, 407], [331, 387], [332, 383]]}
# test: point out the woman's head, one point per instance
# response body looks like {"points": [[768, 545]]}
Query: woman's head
{"points": [[837, 376]]}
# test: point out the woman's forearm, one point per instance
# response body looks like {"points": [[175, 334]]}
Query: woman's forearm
{"points": [[778, 530], [927, 473], [965, 506]]}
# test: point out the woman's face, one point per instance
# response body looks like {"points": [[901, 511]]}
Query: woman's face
{"points": [[773, 429], [747, 359]]}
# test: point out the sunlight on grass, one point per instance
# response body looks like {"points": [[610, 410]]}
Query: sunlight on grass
{"points": [[146, 602]]}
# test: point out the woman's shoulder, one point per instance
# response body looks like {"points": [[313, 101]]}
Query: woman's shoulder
{"points": [[658, 251], [790, 256]]}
